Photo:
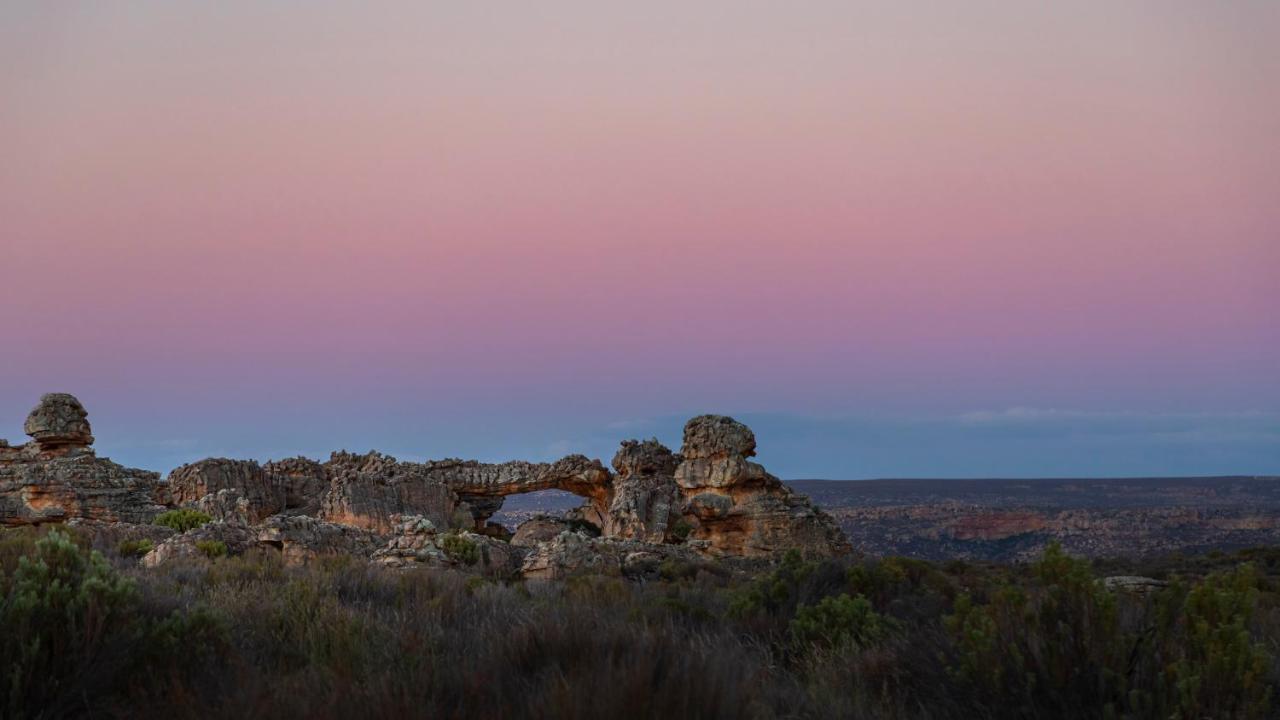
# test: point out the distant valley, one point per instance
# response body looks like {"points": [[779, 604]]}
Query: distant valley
{"points": [[1013, 519]]}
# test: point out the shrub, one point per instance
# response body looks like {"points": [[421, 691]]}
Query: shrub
{"points": [[182, 519], [59, 611], [680, 530], [212, 548], [1025, 647], [460, 549], [838, 621], [135, 548]]}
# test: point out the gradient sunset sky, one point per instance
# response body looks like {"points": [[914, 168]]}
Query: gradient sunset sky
{"points": [[929, 239]]}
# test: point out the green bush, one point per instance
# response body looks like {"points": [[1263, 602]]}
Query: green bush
{"points": [[134, 548], [182, 519], [840, 621], [212, 548], [460, 549], [680, 530], [62, 609]]}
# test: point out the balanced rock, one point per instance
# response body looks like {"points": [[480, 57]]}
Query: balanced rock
{"points": [[59, 421], [736, 507], [57, 478]]}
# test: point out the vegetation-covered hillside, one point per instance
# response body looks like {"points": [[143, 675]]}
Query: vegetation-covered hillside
{"points": [[89, 634]]}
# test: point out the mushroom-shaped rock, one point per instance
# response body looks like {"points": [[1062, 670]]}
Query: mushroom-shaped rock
{"points": [[717, 436], [59, 421]]}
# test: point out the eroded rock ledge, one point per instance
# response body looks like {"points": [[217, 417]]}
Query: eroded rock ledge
{"points": [[706, 501]]}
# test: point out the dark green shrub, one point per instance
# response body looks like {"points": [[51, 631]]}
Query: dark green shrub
{"points": [[838, 621], [212, 548], [680, 530], [1199, 658], [460, 549], [182, 519], [62, 610], [135, 548], [1023, 648]]}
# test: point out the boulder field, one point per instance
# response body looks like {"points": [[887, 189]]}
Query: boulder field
{"points": [[708, 501]]}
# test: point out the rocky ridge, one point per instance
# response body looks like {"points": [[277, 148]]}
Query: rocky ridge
{"points": [[707, 501]]}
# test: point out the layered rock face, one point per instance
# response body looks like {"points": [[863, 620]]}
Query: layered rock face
{"points": [[708, 500], [646, 500], [261, 494], [737, 508], [57, 477]]}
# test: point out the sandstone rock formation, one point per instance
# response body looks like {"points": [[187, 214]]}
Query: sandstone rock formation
{"points": [[417, 543], [574, 553], [645, 501], [57, 477], [300, 538], [370, 490], [59, 421], [707, 500], [261, 494], [738, 508]]}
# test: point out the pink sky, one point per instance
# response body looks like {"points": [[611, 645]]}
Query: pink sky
{"points": [[581, 212]]}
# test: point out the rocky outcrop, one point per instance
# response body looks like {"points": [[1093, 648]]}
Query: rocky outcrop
{"points": [[301, 538], [538, 530], [303, 482], [574, 553], [261, 493], [645, 500], [709, 499], [57, 477], [370, 490], [737, 508], [417, 543], [212, 539]]}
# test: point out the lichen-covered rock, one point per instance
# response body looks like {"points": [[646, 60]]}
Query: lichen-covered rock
{"points": [[737, 508], [262, 494], [59, 421], [301, 538], [200, 542], [644, 497]]}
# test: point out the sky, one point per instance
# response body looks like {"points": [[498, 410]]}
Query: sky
{"points": [[898, 239]]}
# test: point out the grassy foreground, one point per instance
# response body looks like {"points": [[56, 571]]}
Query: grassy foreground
{"points": [[84, 633]]}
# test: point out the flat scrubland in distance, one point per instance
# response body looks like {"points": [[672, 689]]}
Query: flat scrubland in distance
{"points": [[339, 637]]}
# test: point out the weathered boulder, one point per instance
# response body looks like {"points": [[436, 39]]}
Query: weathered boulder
{"points": [[59, 421], [261, 493], [645, 497], [739, 509], [301, 538]]}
